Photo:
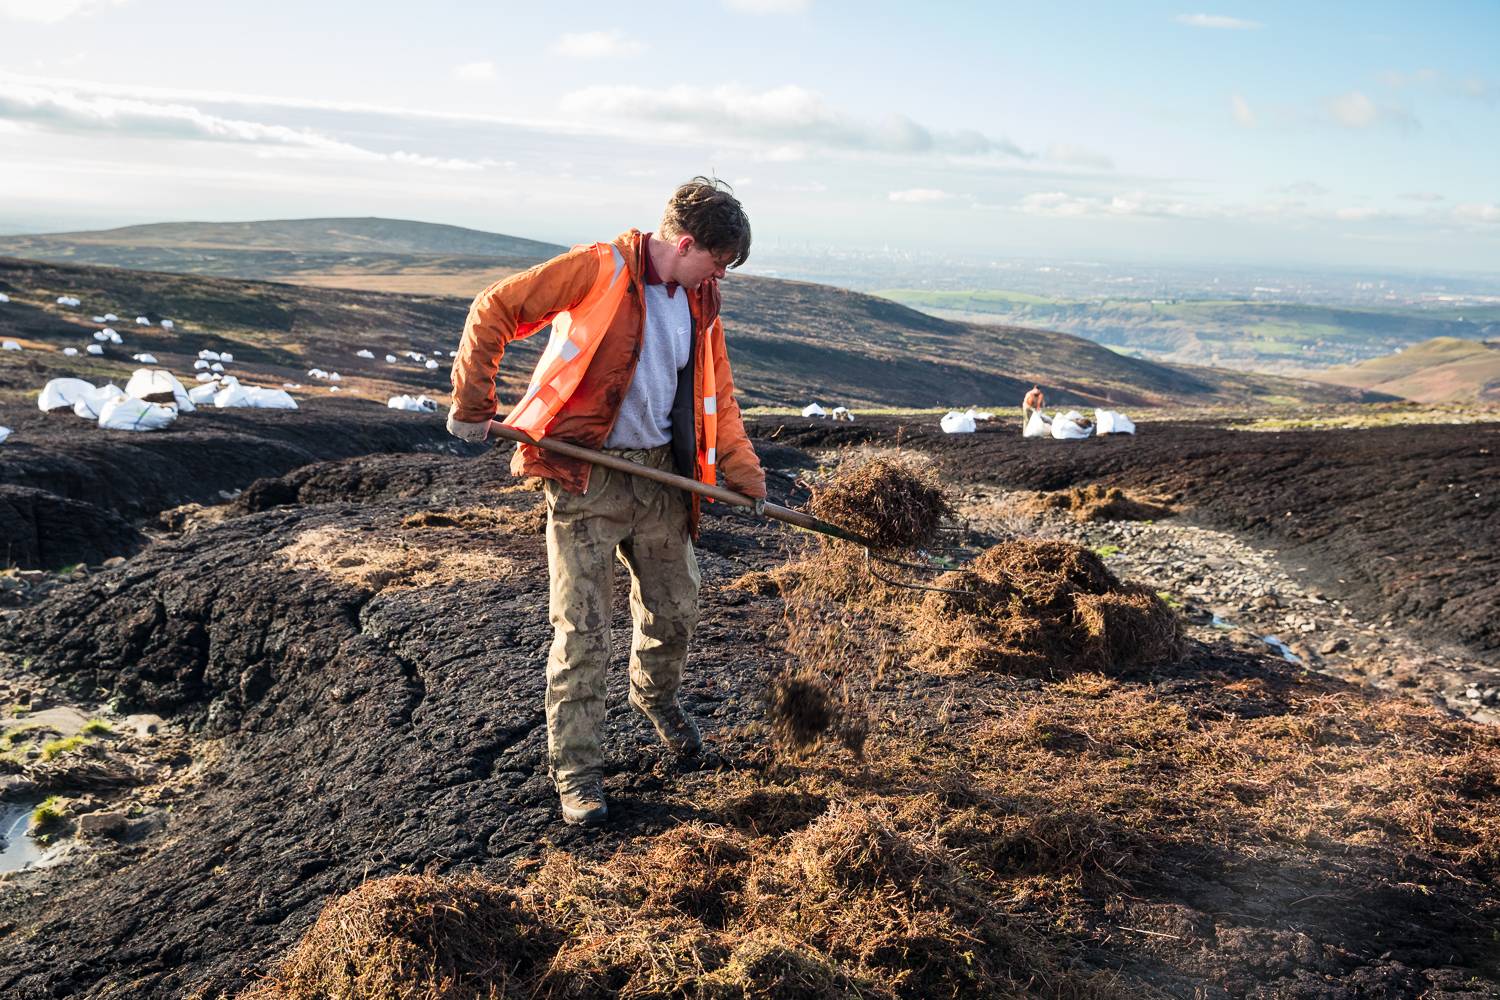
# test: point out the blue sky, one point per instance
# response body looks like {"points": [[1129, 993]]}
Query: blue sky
{"points": [[1360, 134]]}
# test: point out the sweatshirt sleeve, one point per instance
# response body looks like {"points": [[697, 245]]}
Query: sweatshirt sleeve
{"points": [[509, 309]]}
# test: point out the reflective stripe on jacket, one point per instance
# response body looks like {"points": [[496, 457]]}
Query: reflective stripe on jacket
{"points": [[592, 296]]}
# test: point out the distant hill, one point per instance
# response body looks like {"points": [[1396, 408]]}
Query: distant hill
{"points": [[1441, 370], [412, 256], [1284, 337], [792, 342]]}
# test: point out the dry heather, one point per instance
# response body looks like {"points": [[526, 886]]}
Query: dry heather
{"points": [[1027, 606], [528, 521], [981, 859], [414, 938], [378, 562], [1040, 608], [893, 504], [1094, 503]]}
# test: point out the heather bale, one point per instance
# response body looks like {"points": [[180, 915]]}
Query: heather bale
{"points": [[893, 504], [1096, 502], [1040, 608], [412, 937]]}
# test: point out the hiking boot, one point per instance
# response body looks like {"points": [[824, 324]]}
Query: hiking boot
{"points": [[585, 806], [675, 727]]}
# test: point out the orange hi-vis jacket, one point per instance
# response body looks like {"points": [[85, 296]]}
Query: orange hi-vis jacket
{"points": [[1033, 399], [593, 299]]}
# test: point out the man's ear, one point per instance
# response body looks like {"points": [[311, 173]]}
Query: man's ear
{"points": [[684, 244]]}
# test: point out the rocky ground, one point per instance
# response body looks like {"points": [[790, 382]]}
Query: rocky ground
{"points": [[1224, 584], [347, 657]]}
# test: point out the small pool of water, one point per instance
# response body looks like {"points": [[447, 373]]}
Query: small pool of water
{"points": [[17, 851]]}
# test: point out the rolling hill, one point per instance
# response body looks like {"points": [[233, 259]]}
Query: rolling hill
{"points": [[389, 286], [1441, 370]]}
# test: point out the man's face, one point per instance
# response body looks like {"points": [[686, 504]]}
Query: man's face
{"points": [[695, 265]]}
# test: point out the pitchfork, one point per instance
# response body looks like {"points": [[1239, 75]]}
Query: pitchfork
{"points": [[786, 515]]}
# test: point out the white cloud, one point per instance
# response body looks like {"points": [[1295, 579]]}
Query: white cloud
{"points": [[51, 11], [1240, 108], [1217, 21], [596, 45], [1356, 110], [1140, 204], [475, 71], [1480, 90], [919, 196], [787, 115], [1302, 189], [437, 162], [1401, 79], [67, 111], [1487, 212], [768, 6], [1078, 156]]}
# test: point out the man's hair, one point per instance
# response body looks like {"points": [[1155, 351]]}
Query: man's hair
{"points": [[706, 209]]}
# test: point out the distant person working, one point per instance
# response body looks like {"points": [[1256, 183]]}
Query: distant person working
{"points": [[1033, 403]]}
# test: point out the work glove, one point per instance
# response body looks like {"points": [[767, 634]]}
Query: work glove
{"points": [[474, 433], [759, 507]]}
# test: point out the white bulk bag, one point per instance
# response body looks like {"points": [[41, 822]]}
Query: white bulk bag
{"points": [[4, 297], [145, 359], [1038, 426], [270, 399], [4, 431], [94, 349], [167, 324], [127, 413], [226, 357], [980, 415], [68, 300], [1112, 422], [111, 318], [70, 352], [63, 394], [416, 404], [156, 385], [202, 395], [363, 354], [431, 364], [814, 410], [207, 355], [954, 422], [1069, 427], [91, 405], [231, 395], [142, 321], [390, 359], [10, 345]]}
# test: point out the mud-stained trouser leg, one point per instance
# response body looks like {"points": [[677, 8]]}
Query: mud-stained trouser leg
{"points": [[664, 583], [582, 532]]}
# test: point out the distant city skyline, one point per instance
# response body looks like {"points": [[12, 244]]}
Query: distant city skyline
{"points": [[1341, 135]]}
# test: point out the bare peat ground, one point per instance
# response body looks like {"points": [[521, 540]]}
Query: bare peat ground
{"points": [[351, 660], [1403, 522]]}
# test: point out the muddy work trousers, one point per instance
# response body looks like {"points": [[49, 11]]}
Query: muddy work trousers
{"points": [[644, 525]]}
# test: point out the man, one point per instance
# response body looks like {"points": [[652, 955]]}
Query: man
{"points": [[635, 366], [1033, 403]]}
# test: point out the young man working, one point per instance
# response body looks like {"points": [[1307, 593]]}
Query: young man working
{"points": [[1033, 403], [635, 366]]}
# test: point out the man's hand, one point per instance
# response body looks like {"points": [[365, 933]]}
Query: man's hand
{"points": [[759, 507], [466, 431]]}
